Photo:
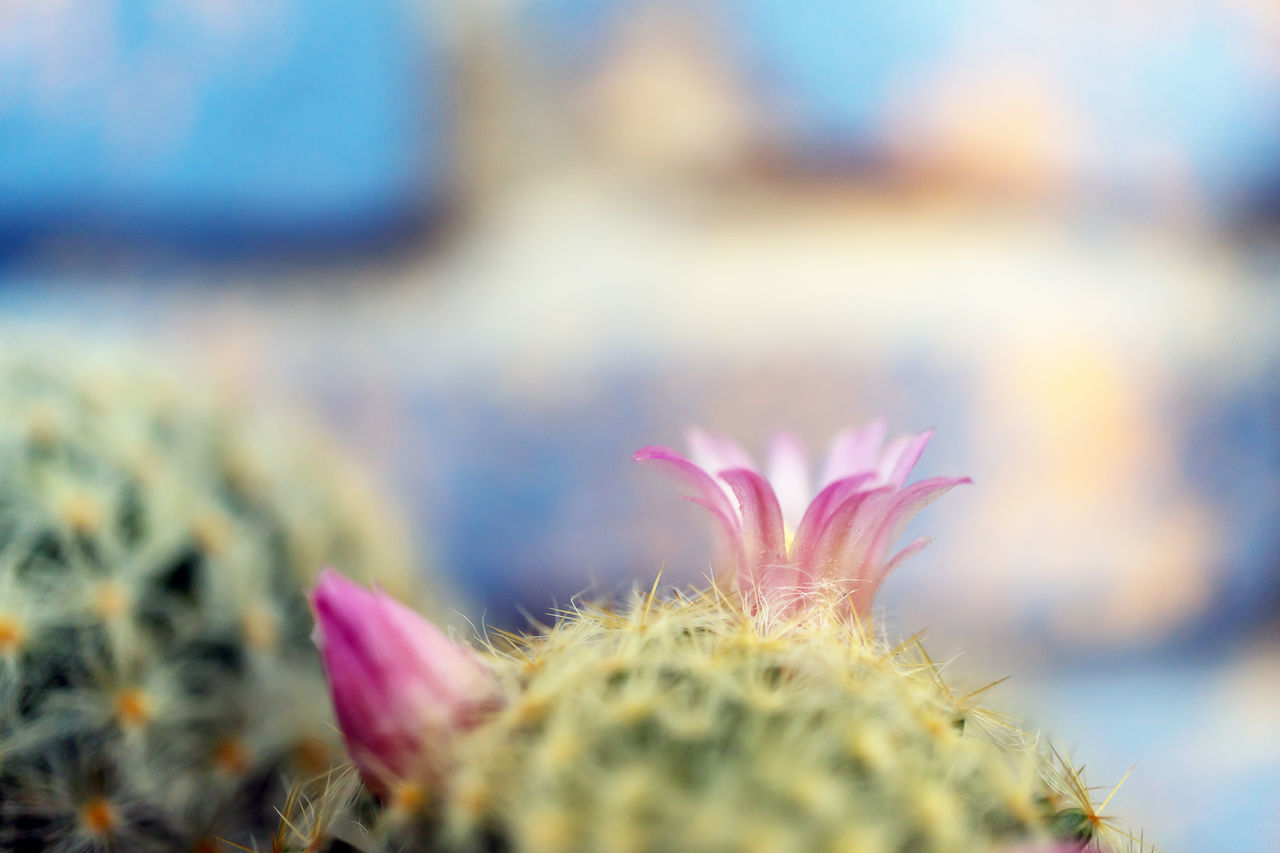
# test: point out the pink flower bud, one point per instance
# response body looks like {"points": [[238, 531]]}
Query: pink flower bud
{"points": [[400, 687]]}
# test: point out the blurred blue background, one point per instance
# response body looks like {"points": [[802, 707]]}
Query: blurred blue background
{"points": [[501, 246], [219, 124]]}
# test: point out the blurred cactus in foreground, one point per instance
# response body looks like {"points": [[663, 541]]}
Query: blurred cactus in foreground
{"points": [[764, 716], [157, 682]]}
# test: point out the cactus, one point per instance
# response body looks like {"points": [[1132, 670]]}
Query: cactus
{"points": [[764, 715], [681, 724], [684, 727], [156, 674]]}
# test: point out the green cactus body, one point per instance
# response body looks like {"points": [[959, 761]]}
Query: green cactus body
{"points": [[685, 725], [156, 674]]}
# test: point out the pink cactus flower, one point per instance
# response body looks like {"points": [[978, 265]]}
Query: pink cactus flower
{"points": [[788, 537], [400, 687]]}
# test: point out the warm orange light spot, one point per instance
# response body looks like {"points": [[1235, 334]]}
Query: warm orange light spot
{"points": [[313, 756], [110, 600], [938, 813], [530, 710], [99, 817], [1021, 806], [939, 727], [547, 829], [11, 635], [42, 429], [259, 628], [81, 513], [532, 665], [474, 797], [636, 709], [869, 747], [213, 532], [133, 707], [243, 474], [231, 755], [563, 748], [609, 665], [408, 797]]}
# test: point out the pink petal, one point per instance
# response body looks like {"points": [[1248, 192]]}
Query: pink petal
{"points": [[907, 505], [715, 453], [729, 538], [789, 476], [853, 452], [845, 532], [916, 497], [376, 740], [439, 661], [851, 523], [917, 545], [865, 588], [898, 460], [764, 545], [820, 509], [365, 676], [692, 477]]}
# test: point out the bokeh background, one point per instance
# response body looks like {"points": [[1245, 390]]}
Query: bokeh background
{"points": [[500, 245]]}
